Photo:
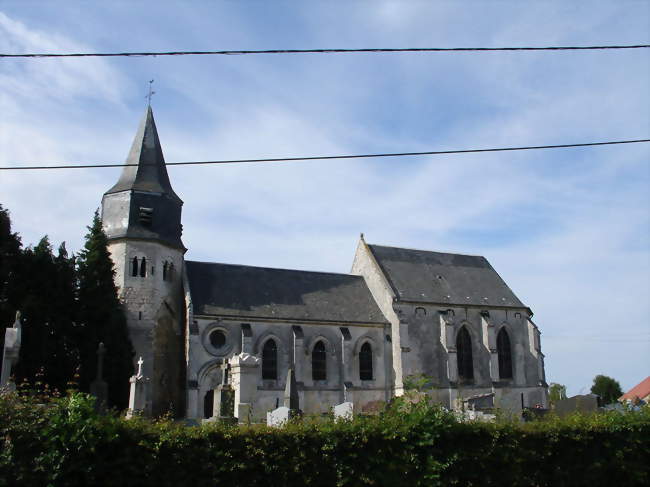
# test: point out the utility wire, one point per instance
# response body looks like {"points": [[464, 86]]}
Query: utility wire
{"points": [[317, 158], [319, 51]]}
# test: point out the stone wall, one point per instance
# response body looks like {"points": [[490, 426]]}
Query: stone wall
{"points": [[154, 312], [295, 343]]}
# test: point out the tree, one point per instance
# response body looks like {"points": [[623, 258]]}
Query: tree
{"points": [[556, 392], [44, 290], [101, 318], [10, 248], [607, 388]]}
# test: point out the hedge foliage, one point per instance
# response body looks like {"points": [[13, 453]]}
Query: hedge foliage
{"points": [[62, 441]]}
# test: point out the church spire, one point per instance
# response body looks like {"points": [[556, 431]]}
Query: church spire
{"points": [[148, 171], [142, 204]]}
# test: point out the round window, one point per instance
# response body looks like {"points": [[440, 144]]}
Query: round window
{"points": [[217, 339]]}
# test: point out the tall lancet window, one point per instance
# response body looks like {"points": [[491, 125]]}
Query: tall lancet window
{"points": [[134, 267], [365, 362], [464, 355], [505, 354], [270, 360], [143, 267], [319, 361]]}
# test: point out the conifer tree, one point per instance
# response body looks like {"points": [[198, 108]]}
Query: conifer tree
{"points": [[101, 318], [10, 248]]}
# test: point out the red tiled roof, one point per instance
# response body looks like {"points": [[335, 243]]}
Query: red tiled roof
{"points": [[641, 390]]}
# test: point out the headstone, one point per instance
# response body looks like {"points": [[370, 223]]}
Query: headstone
{"points": [[279, 416], [99, 387], [291, 407], [344, 411], [243, 379], [291, 398], [137, 394], [223, 405], [11, 352]]}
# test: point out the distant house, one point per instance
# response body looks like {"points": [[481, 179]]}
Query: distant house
{"points": [[640, 391]]}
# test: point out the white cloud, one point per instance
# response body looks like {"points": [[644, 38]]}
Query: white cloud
{"points": [[568, 230]]}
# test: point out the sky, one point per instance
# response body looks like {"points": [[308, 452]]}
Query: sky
{"points": [[567, 229]]}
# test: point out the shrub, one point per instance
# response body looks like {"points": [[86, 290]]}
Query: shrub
{"points": [[62, 441]]}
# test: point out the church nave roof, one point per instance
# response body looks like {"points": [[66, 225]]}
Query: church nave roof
{"points": [[261, 292]]}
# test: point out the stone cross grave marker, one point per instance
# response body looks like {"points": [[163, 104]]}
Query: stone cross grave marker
{"points": [[11, 352], [99, 387]]}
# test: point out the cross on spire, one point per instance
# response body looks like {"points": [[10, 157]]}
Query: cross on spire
{"points": [[151, 92]]}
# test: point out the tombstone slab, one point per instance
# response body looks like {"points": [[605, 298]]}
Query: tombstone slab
{"points": [[11, 352], [280, 416], [344, 410]]}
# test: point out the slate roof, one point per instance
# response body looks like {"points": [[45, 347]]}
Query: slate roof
{"points": [[150, 173], [260, 292], [436, 277]]}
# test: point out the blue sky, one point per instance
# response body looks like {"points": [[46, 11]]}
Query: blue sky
{"points": [[568, 230]]}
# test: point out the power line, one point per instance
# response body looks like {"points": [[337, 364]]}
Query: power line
{"points": [[316, 158], [318, 51]]}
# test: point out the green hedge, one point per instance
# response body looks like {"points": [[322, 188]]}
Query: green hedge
{"points": [[63, 442]]}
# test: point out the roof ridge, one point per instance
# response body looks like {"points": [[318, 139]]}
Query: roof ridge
{"points": [[273, 268], [427, 251]]}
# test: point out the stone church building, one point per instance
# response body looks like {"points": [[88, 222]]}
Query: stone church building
{"points": [[355, 337]]}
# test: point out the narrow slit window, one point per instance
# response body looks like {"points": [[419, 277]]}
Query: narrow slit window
{"points": [[365, 362], [165, 271], [143, 267], [319, 362], [134, 267]]}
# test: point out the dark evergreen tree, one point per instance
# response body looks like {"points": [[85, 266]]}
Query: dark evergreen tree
{"points": [[101, 319], [44, 290], [10, 249]]}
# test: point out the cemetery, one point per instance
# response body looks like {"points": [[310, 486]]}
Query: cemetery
{"points": [[75, 440]]}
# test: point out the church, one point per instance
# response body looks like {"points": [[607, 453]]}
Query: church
{"points": [[354, 337]]}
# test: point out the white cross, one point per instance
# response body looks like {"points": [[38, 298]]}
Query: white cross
{"points": [[140, 362]]}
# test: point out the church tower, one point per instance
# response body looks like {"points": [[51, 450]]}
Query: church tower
{"points": [[141, 215]]}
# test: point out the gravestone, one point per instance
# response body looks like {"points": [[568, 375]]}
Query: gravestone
{"points": [[344, 410], [291, 407], [223, 405], [279, 416], [243, 378], [137, 394], [99, 387], [11, 352]]}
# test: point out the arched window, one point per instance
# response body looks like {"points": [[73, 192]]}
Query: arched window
{"points": [[270, 360], [134, 267], [365, 362], [319, 361], [143, 267], [505, 354], [464, 351], [165, 271]]}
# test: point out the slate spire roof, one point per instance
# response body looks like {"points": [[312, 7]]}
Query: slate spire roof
{"points": [[149, 174]]}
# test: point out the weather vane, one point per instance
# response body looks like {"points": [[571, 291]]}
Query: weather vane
{"points": [[151, 92]]}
